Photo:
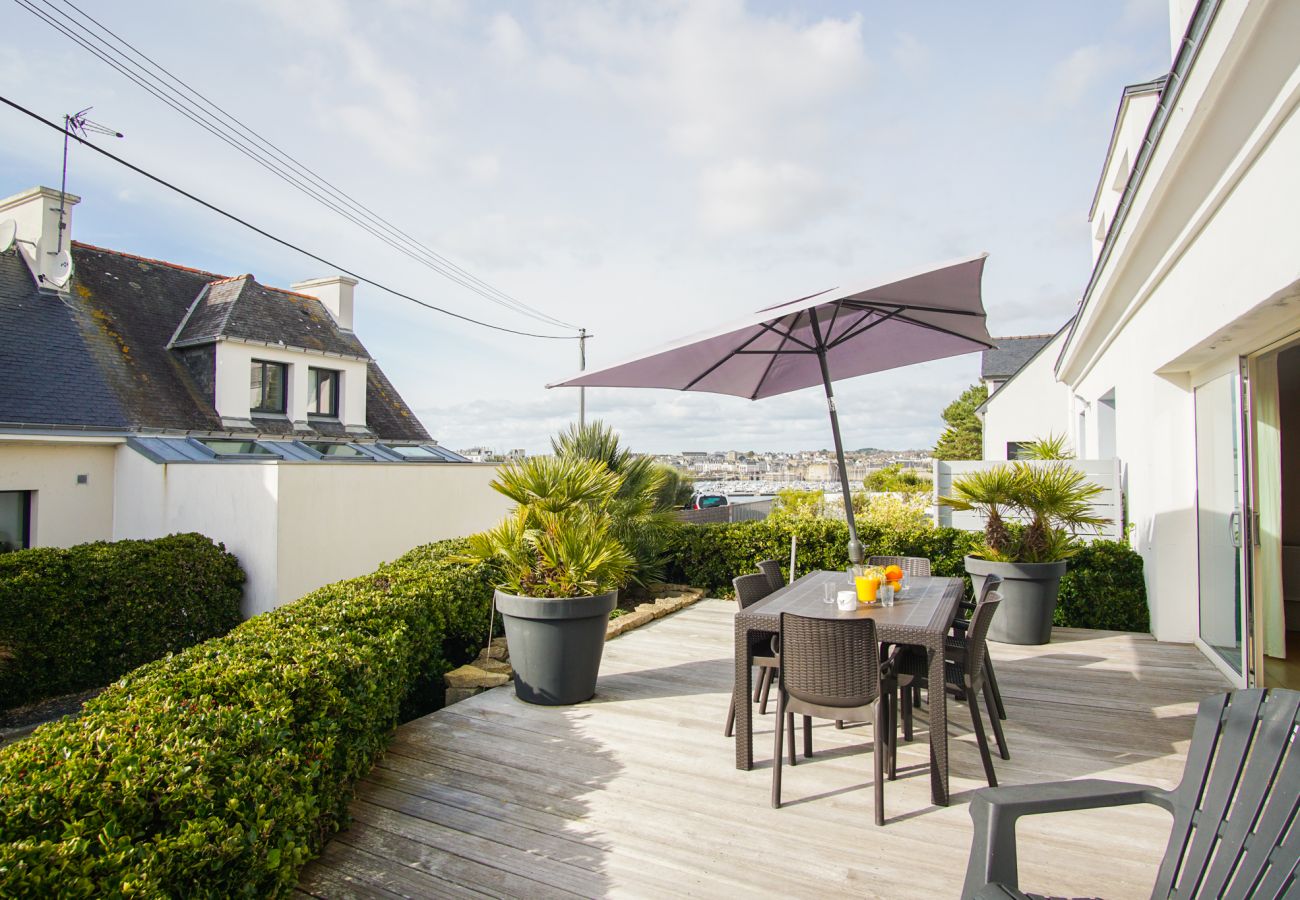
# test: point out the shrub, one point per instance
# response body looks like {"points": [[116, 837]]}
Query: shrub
{"points": [[80, 617], [221, 770], [1103, 587]]}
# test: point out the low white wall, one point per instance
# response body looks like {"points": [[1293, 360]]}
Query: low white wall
{"points": [[339, 521], [63, 512]]}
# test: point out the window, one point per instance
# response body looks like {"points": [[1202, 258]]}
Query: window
{"points": [[232, 447], [414, 452], [268, 393], [1016, 449], [337, 451], [15, 520], [323, 392]]}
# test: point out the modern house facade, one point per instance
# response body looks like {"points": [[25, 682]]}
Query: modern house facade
{"points": [[140, 398], [1183, 360]]}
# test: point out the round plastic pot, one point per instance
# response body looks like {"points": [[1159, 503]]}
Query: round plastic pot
{"points": [[555, 645], [1029, 593]]}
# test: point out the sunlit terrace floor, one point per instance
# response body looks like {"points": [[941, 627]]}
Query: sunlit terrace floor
{"points": [[636, 792]]}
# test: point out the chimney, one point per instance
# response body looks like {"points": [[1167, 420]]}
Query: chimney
{"points": [[36, 213], [335, 292]]}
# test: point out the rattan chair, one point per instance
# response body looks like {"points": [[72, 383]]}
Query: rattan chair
{"points": [[749, 590], [830, 668], [918, 566], [959, 626], [964, 672], [772, 569]]}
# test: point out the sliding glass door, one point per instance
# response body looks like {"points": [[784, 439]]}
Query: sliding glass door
{"points": [[1220, 522]]}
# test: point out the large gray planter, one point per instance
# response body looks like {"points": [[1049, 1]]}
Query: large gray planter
{"points": [[1028, 598], [555, 645]]}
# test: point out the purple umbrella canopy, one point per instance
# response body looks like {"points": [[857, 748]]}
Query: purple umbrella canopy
{"points": [[922, 315]]}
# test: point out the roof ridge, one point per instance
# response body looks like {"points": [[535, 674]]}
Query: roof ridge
{"points": [[148, 259], [230, 279], [280, 290]]}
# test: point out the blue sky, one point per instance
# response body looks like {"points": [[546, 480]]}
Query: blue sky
{"points": [[642, 169]]}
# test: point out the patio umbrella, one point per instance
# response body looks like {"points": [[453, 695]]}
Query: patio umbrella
{"points": [[838, 333]]}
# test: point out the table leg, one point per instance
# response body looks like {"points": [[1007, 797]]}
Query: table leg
{"points": [[938, 697], [744, 707]]}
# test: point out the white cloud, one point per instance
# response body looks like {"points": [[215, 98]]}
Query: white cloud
{"points": [[506, 38], [1075, 75], [746, 195], [910, 55]]}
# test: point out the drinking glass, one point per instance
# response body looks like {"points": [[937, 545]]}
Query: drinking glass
{"points": [[887, 594], [829, 589]]}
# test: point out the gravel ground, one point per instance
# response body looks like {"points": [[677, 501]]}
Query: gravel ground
{"points": [[21, 721]]}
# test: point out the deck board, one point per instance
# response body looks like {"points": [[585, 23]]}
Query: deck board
{"points": [[635, 793]]}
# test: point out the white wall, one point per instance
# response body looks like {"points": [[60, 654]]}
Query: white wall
{"points": [[1031, 405], [233, 367], [63, 512]]}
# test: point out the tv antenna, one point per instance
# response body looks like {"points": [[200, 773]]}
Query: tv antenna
{"points": [[76, 124]]}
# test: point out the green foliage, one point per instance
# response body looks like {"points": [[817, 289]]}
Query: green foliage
{"points": [[896, 479], [964, 436], [899, 512], [77, 618], [560, 539], [1055, 498], [640, 510], [1051, 447], [677, 490], [218, 772], [1102, 588], [795, 504]]}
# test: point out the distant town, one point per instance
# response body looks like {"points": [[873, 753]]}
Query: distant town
{"points": [[761, 472]]}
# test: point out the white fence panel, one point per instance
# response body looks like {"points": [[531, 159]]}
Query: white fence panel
{"points": [[1104, 472]]}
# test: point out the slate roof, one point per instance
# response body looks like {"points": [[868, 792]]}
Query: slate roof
{"points": [[98, 356], [1011, 355]]}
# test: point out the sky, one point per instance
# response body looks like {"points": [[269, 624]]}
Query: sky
{"points": [[641, 169]]}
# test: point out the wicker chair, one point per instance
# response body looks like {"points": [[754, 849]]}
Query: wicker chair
{"points": [[958, 639], [772, 569], [965, 672], [749, 590], [917, 566], [831, 669]]}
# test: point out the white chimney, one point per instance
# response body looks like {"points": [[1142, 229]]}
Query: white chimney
{"points": [[335, 292], [36, 213]]}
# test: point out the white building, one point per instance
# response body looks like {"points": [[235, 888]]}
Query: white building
{"points": [[140, 398], [1183, 360]]}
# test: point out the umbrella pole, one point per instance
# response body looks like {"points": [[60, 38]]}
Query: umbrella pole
{"points": [[855, 546]]}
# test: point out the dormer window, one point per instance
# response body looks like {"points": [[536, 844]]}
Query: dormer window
{"points": [[323, 392], [267, 387]]}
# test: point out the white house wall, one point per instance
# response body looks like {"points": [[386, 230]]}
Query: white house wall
{"points": [[63, 511], [338, 521], [233, 397], [1031, 405]]}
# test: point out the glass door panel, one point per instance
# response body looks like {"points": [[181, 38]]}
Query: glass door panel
{"points": [[1219, 517]]}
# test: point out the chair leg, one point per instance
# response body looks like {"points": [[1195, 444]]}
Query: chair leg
{"points": [[916, 694], [839, 724], [731, 717], [767, 686], [982, 740], [907, 712], [758, 683], [789, 728], [891, 731], [991, 707], [776, 752], [807, 737], [993, 681], [882, 713]]}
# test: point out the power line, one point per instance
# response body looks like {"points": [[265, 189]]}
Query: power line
{"points": [[279, 240], [246, 140]]}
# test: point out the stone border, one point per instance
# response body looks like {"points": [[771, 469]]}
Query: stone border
{"points": [[492, 668]]}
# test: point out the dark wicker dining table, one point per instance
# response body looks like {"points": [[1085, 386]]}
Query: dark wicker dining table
{"points": [[921, 615]]}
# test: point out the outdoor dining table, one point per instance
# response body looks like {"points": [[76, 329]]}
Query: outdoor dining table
{"points": [[921, 615]]}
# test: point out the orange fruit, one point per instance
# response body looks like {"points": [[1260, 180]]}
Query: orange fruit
{"points": [[893, 573]]}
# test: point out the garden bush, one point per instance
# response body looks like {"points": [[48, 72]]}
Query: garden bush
{"points": [[221, 770], [1102, 588], [77, 618]]}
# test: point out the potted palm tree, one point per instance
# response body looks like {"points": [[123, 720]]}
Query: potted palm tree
{"points": [[1053, 500], [560, 566]]}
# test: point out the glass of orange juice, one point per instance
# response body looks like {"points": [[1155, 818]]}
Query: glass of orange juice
{"points": [[867, 582]]}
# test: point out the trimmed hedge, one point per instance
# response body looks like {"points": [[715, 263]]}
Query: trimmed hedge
{"points": [[1103, 587], [77, 618], [221, 770]]}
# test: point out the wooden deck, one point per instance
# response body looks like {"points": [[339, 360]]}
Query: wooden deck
{"points": [[636, 792]]}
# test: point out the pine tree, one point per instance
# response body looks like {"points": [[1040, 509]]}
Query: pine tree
{"points": [[964, 436]]}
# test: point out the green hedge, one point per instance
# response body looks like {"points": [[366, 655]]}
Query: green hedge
{"points": [[1103, 587], [219, 771], [77, 618]]}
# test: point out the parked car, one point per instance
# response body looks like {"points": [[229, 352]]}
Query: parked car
{"points": [[708, 501]]}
